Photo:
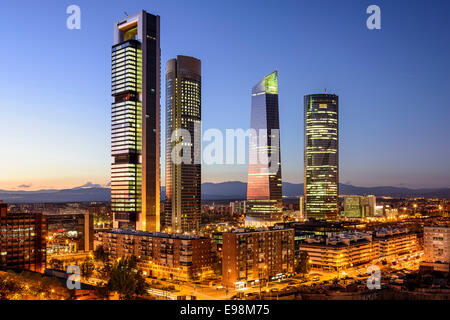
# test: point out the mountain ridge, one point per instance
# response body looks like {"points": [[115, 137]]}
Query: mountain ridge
{"points": [[232, 190]]}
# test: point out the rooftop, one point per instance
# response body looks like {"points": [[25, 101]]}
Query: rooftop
{"points": [[154, 234]]}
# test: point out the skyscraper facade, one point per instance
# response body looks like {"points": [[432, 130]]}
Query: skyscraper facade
{"points": [[135, 136], [264, 189], [321, 176], [183, 131]]}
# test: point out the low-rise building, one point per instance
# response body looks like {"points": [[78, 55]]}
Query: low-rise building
{"points": [[252, 256], [340, 250], [336, 251], [396, 243], [359, 206], [161, 255]]}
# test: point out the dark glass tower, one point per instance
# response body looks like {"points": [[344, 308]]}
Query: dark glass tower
{"points": [[135, 137], [264, 189], [321, 156], [183, 112]]}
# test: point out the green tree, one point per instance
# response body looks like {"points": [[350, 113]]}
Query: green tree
{"points": [[9, 286], [56, 264], [87, 268], [126, 279], [101, 255], [302, 266], [102, 291]]}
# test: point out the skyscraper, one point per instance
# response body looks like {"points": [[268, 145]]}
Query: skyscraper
{"points": [[183, 129], [321, 156], [135, 137], [264, 194]]}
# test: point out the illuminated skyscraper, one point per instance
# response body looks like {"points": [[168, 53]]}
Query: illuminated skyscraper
{"points": [[183, 113], [321, 156], [135, 137], [264, 194]]}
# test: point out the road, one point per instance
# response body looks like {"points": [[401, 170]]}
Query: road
{"points": [[216, 292]]}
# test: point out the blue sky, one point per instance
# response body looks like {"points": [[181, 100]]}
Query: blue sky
{"points": [[393, 83]]}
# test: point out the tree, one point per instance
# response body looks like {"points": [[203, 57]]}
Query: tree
{"points": [[87, 268], [56, 264], [9, 286], [126, 279], [102, 291], [106, 270], [303, 265], [101, 255]]}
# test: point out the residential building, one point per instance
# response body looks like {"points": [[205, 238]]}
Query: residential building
{"points": [[339, 251], [396, 243], [437, 247], [161, 255], [253, 256]]}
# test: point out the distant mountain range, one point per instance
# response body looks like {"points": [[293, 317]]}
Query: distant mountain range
{"points": [[233, 190]]}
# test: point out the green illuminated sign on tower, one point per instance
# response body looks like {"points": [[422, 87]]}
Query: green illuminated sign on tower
{"points": [[272, 83]]}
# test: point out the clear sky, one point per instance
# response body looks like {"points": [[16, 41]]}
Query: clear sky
{"points": [[393, 83]]}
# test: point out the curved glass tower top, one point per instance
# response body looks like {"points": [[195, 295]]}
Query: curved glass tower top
{"points": [[264, 197]]}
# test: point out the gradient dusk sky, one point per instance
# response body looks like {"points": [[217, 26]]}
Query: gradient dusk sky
{"points": [[393, 83]]}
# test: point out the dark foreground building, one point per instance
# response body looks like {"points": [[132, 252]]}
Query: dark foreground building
{"points": [[69, 232], [321, 156], [135, 137], [183, 124], [22, 240]]}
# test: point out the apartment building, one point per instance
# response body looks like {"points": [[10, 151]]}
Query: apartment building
{"points": [[256, 256], [161, 255]]}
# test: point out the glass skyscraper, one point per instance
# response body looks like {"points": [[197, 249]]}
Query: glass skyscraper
{"points": [[135, 131], [264, 189], [183, 112], [321, 185]]}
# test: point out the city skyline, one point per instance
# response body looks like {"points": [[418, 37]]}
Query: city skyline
{"points": [[376, 153], [363, 116]]}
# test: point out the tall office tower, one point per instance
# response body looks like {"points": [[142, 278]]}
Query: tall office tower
{"points": [[183, 132], [135, 138], [264, 194], [321, 185]]}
